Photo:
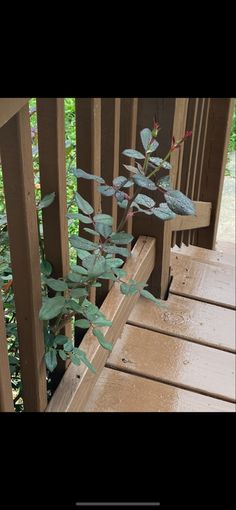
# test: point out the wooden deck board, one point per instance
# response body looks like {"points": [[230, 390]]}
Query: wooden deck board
{"points": [[175, 361], [224, 253], [206, 282], [121, 392], [193, 320]]}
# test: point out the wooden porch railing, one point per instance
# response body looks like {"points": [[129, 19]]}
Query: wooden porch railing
{"points": [[104, 128]]}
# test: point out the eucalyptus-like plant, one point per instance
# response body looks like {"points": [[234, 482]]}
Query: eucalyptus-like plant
{"points": [[99, 260]]}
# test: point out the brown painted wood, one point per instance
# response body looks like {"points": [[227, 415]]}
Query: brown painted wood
{"points": [[176, 158], [9, 106], [128, 140], [179, 128], [72, 393], [200, 220], [16, 154], [225, 253], [52, 165], [202, 144], [188, 150], [170, 114], [120, 392], [195, 158], [160, 277], [88, 153], [211, 283], [6, 401], [175, 361], [190, 319], [215, 154], [110, 158]]}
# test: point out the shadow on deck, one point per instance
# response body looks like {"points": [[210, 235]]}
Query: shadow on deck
{"points": [[180, 357]]}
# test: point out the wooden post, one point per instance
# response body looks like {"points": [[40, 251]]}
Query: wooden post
{"points": [[128, 130], [171, 115], [51, 139], [6, 401], [16, 154], [110, 158], [88, 153], [216, 146]]}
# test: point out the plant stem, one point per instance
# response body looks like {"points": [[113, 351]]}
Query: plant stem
{"points": [[123, 220]]}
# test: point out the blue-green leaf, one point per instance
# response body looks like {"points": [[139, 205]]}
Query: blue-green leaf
{"points": [[146, 137], [103, 218], [83, 204], [82, 254], [133, 154], [148, 295], [57, 285], [101, 338], [122, 182], [82, 244], [163, 212], [79, 292], [101, 321], [179, 203], [95, 264], [79, 270], [107, 191], [144, 182], [82, 323], [129, 289], [131, 169], [123, 204], [78, 216], [144, 200], [46, 201], [81, 173], [103, 229], [159, 162], [46, 268], [91, 231], [62, 355], [75, 277], [116, 249], [68, 346], [114, 262], [122, 238], [51, 308], [165, 183], [61, 339], [51, 359], [85, 360]]}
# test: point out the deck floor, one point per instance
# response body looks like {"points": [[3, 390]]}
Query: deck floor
{"points": [[180, 357]]}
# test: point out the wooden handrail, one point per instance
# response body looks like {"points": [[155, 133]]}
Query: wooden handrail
{"points": [[9, 106]]}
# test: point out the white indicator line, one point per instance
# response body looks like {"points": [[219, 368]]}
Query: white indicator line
{"points": [[117, 504]]}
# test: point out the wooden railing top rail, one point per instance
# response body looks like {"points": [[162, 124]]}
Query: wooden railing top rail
{"points": [[9, 106]]}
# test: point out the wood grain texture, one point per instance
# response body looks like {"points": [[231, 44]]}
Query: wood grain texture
{"points": [[16, 154], [193, 320], [110, 158], [72, 393], [6, 400], [224, 253], [52, 166], [120, 392], [9, 106], [88, 153], [175, 361], [128, 140], [206, 282], [200, 220], [215, 154]]}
